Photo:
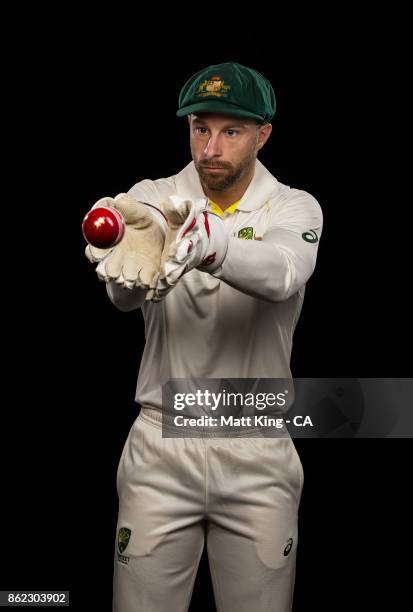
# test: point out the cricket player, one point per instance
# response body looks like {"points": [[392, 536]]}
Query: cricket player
{"points": [[217, 257]]}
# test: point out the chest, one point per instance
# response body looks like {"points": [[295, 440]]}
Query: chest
{"points": [[248, 225]]}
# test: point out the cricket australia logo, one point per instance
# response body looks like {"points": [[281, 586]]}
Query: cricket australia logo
{"points": [[123, 541], [246, 233], [214, 86]]}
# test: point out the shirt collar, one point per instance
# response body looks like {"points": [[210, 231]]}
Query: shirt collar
{"points": [[215, 208]]}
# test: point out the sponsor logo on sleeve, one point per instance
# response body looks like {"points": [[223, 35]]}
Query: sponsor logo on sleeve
{"points": [[310, 236]]}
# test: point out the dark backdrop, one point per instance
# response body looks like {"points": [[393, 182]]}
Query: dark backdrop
{"points": [[97, 116]]}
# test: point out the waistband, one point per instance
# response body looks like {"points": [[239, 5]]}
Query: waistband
{"points": [[167, 423]]}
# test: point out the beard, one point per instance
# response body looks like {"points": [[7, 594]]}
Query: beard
{"points": [[228, 177]]}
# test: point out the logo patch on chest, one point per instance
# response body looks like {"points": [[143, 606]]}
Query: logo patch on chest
{"points": [[246, 233]]}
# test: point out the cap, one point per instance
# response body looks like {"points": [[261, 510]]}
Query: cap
{"points": [[230, 89]]}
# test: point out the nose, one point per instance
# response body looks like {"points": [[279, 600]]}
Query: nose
{"points": [[213, 147]]}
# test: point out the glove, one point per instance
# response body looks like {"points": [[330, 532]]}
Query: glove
{"points": [[196, 238], [135, 261]]}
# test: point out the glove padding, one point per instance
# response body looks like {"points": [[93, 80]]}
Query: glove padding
{"points": [[135, 260], [196, 238]]}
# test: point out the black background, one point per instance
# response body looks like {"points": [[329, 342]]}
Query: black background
{"points": [[94, 112]]}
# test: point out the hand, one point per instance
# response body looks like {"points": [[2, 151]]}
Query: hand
{"points": [[196, 238], [135, 261]]}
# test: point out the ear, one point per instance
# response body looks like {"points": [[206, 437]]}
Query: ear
{"points": [[264, 134], [189, 119]]}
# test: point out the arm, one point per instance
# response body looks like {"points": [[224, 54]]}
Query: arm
{"points": [[278, 266]]}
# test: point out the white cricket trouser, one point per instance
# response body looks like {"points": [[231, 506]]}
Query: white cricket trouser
{"points": [[239, 494]]}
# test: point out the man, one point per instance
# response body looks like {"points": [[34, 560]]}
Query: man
{"points": [[217, 257]]}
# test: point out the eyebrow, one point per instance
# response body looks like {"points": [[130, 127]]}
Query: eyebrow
{"points": [[226, 126]]}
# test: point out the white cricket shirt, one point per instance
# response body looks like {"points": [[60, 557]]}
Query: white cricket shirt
{"points": [[239, 321]]}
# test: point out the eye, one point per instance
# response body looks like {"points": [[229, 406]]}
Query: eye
{"points": [[201, 130], [232, 133]]}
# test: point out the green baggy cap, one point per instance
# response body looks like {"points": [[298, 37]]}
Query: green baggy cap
{"points": [[230, 89]]}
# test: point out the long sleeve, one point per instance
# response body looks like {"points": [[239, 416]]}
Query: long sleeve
{"points": [[276, 267]]}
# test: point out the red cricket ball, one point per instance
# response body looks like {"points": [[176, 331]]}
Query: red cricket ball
{"points": [[103, 227]]}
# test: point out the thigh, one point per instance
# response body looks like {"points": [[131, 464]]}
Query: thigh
{"points": [[255, 488], [163, 580], [160, 529], [160, 484], [242, 580]]}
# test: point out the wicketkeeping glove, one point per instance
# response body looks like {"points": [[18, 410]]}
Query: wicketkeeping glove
{"points": [[196, 238], [135, 260]]}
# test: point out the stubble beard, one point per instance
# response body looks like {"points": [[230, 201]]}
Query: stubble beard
{"points": [[230, 176]]}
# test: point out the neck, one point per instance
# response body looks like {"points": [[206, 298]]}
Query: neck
{"points": [[226, 198]]}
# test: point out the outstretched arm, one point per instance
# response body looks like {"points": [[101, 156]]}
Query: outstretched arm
{"points": [[276, 267], [272, 269]]}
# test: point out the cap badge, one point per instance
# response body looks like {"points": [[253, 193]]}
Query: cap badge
{"points": [[214, 86]]}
